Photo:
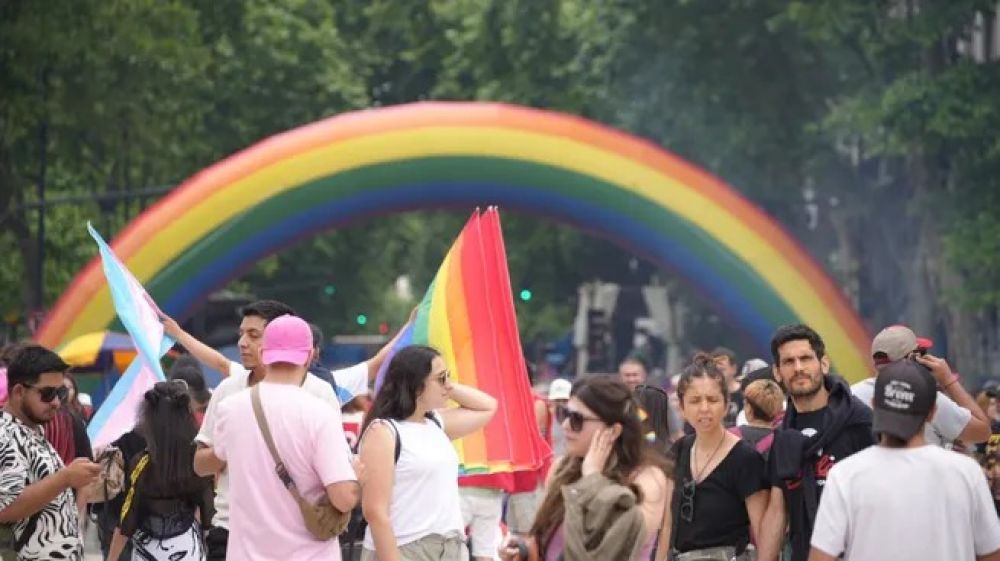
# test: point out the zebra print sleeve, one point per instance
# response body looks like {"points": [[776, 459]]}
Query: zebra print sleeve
{"points": [[13, 471]]}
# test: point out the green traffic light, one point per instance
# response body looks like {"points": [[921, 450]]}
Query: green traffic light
{"points": [[329, 290], [362, 319], [525, 295]]}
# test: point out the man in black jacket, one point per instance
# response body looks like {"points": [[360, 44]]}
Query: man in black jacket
{"points": [[824, 423]]}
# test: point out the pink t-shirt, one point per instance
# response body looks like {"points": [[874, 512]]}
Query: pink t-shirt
{"points": [[264, 521]]}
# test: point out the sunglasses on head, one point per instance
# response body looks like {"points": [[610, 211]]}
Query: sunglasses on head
{"points": [[48, 393], [576, 419]]}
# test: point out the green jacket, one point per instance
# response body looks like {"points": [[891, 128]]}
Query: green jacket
{"points": [[603, 521]]}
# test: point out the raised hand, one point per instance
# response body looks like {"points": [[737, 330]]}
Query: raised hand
{"points": [[939, 368], [599, 451]]}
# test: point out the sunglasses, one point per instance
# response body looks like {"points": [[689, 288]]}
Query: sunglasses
{"points": [[48, 393], [576, 419], [687, 500]]}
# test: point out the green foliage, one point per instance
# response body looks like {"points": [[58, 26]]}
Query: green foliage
{"points": [[775, 96]]}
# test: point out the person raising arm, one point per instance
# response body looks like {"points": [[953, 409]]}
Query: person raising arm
{"points": [[406, 445]]}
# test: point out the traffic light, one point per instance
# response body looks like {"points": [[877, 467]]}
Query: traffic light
{"points": [[598, 342], [525, 295], [383, 328], [329, 290], [362, 319]]}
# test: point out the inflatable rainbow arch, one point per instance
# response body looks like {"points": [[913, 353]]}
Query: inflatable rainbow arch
{"points": [[430, 155]]}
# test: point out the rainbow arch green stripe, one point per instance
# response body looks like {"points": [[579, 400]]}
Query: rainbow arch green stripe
{"points": [[431, 155]]}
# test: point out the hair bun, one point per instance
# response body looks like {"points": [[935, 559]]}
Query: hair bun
{"points": [[181, 400], [702, 358]]}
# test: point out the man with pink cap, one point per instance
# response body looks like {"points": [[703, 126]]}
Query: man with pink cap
{"points": [[308, 436]]}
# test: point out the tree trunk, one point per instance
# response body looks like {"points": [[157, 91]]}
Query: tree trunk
{"points": [[15, 222], [935, 284]]}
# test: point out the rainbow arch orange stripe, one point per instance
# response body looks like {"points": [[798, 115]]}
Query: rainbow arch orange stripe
{"points": [[428, 155]]}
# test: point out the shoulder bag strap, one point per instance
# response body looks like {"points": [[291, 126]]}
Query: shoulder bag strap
{"points": [[398, 447], [265, 431]]}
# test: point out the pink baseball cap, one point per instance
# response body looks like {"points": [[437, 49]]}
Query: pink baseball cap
{"points": [[287, 339]]}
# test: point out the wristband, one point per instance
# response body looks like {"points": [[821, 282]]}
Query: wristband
{"points": [[954, 378]]}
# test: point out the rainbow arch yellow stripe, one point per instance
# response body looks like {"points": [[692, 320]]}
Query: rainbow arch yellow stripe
{"points": [[427, 155]]}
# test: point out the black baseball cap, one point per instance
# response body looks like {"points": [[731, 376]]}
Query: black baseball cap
{"points": [[905, 393], [763, 373]]}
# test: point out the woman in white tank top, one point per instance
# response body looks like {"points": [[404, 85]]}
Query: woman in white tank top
{"points": [[410, 495]]}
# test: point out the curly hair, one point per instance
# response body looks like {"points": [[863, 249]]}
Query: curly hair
{"points": [[701, 366]]}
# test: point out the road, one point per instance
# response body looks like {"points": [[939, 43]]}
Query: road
{"points": [[91, 545]]}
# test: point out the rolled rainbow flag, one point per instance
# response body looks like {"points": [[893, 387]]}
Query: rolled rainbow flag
{"points": [[468, 315]]}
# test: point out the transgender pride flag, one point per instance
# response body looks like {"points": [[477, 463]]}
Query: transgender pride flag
{"points": [[137, 312]]}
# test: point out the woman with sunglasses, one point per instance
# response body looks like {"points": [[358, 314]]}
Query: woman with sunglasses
{"points": [[605, 444], [166, 500], [410, 488], [719, 479], [73, 403]]}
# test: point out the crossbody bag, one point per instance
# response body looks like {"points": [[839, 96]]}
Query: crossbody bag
{"points": [[322, 519]]}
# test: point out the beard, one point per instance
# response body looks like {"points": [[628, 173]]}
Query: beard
{"points": [[38, 418], [808, 391]]}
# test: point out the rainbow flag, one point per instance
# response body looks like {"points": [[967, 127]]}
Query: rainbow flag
{"points": [[468, 315], [138, 313]]}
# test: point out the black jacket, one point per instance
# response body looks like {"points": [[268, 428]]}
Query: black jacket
{"points": [[794, 454]]}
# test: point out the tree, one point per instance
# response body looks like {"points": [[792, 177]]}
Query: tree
{"points": [[89, 107]]}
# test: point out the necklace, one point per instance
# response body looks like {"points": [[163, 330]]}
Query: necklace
{"points": [[708, 462]]}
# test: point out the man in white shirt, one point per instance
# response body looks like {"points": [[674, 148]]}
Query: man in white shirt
{"points": [[956, 415], [902, 499], [256, 316]]}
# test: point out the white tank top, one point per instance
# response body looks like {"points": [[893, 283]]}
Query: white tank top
{"points": [[425, 491]]}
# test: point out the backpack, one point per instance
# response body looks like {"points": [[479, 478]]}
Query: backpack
{"points": [[763, 445], [355, 533]]}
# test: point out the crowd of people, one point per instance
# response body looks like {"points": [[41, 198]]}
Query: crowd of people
{"points": [[767, 460]]}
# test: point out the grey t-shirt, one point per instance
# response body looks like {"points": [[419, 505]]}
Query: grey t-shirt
{"points": [[949, 418]]}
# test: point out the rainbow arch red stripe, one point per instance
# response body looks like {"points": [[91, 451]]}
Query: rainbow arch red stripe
{"points": [[379, 161]]}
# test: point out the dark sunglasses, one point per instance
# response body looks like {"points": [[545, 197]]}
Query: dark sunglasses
{"points": [[576, 419], [687, 500], [48, 393]]}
